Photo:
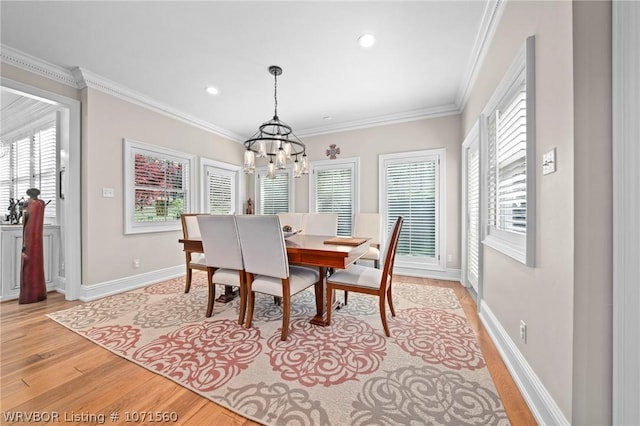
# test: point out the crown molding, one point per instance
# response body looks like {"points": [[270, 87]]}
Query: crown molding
{"points": [[402, 117], [79, 78], [86, 78], [11, 56], [493, 12]]}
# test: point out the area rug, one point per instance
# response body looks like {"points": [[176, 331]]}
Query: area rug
{"points": [[430, 371]]}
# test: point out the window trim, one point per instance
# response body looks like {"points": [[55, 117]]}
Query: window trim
{"points": [[256, 187], [520, 247], [350, 162], [130, 227], [237, 170], [383, 160]]}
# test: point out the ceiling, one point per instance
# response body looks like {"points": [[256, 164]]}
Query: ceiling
{"points": [[169, 52]]}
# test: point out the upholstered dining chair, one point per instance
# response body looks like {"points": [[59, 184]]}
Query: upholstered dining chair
{"points": [[368, 225], [223, 257], [191, 231], [367, 280], [320, 224], [268, 271], [292, 219]]}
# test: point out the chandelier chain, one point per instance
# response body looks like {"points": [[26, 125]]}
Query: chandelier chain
{"points": [[275, 94]]}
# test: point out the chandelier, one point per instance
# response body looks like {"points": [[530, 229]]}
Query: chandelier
{"points": [[275, 139]]}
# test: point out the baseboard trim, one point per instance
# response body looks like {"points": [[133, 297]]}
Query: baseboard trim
{"points": [[542, 405], [447, 274], [109, 288]]}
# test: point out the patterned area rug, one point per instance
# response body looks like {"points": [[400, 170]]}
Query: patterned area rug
{"points": [[430, 371]]}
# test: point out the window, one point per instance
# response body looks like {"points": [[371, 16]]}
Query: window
{"points": [[333, 188], [509, 137], [411, 187], [32, 163], [274, 195], [221, 187], [158, 187]]}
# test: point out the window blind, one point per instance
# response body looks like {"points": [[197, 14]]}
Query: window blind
{"points": [[5, 180], [412, 193], [507, 133], [160, 187], [220, 193], [473, 206], [334, 193], [274, 193], [45, 168], [31, 163]]}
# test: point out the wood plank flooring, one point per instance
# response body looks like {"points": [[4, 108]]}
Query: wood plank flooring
{"points": [[46, 368]]}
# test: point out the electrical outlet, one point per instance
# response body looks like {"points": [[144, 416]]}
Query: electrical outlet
{"points": [[449, 258], [136, 263], [523, 331], [108, 192]]}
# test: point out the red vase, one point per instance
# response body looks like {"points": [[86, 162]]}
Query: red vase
{"points": [[33, 287]]}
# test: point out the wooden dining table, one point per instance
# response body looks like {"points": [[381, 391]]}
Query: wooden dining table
{"points": [[309, 250]]}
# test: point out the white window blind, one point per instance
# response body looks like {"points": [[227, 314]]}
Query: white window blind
{"points": [[157, 189], [160, 187], [5, 180], [507, 186], [221, 191], [333, 190], [411, 193], [273, 192], [31, 163], [411, 186], [45, 168], [473, 213]]}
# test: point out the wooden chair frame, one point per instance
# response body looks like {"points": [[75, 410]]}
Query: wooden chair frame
{"points": [[383, 291], [187, 253]]}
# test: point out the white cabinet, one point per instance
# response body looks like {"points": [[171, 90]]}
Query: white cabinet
{"points": [[11, 259]]}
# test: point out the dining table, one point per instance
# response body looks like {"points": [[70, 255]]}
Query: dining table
{"points": [[326, 252]]}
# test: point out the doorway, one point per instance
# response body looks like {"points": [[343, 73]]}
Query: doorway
{"points": [[67, 111]]}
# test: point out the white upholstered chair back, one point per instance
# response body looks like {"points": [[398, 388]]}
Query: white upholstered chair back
{"points": [[293, 219], [192, 230], [320, 224], [263, 247], [220, 241], [368, 225]]}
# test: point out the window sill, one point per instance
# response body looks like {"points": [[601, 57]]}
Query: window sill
{"points": [[514, 251]]}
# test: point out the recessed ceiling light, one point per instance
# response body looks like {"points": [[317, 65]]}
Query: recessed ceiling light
{"points": [[212, 90], [366, 40]]}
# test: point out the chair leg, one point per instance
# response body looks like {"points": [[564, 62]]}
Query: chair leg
{"points": [[329, 297], [250, 300], [390, 298], [286, 309], [346, 297], [212, 292], [383, 315], [376, 263], [187, 285], [243, 297]]}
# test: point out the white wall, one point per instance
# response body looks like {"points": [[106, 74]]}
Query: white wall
{"points": [[107, 254], [565, 299], [368, 144]]}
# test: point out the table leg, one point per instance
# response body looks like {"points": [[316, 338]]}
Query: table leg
{"points": [[320, 290], [228, 295]]}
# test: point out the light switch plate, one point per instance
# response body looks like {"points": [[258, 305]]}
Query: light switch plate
{"points": [[549, 162], [107, 192]]}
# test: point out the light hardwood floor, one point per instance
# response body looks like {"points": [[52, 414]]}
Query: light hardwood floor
{"points": [[47, 368]]}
